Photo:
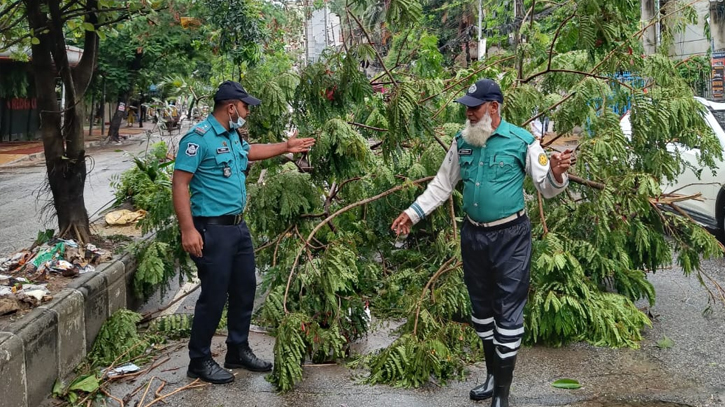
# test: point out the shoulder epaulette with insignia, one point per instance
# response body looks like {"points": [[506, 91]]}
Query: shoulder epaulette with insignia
{"points": [[522, 134], [201, 129]]}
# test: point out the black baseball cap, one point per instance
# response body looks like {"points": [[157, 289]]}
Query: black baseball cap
{"points": [[484, 90], [231, 90]]}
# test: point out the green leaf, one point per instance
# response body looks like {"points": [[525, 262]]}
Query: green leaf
{"points": [[35, 41], [58, 388], [87, 384], [89, 27], [566, 384], [665, 343]]}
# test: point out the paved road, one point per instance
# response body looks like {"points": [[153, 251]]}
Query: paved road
{"points": [[689, 373], [23, 197]]}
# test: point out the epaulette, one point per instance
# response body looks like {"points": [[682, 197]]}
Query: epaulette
{"points": [[201, 129], [522, 134]]}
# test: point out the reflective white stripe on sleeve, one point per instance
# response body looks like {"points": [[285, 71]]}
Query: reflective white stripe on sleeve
{"points": [[439, 189], [537, 166]]}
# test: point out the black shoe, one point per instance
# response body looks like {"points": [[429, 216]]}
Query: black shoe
{"points": [[241, 356], [209, 371], [485, 390], [503, 374]]}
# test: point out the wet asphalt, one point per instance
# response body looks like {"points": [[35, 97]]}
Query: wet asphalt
{"points": [[690, 372]]}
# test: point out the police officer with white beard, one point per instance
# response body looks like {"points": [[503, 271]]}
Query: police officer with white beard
{"points": [[492, 158]]}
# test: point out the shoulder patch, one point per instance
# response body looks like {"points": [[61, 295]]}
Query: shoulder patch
{"points": [[543, 159], [192, 149]]}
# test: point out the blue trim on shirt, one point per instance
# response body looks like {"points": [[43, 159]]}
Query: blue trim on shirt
{"points": [[553, 181], [418, 210]]}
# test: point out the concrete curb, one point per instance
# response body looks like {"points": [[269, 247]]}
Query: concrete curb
{"points": [[53, 339]]}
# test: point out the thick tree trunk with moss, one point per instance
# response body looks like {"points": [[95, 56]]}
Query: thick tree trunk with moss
{"points": [[62, 131]]}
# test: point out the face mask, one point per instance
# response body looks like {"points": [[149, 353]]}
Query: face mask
{"points": [[238, 124]]}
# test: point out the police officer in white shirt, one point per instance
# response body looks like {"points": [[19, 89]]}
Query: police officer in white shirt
{"points": [[492, 158]]}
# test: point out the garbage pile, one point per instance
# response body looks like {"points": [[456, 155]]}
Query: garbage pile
{"points": [[25, 275]]}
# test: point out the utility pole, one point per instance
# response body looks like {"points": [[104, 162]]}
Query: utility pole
{"points": [[481, 40]]}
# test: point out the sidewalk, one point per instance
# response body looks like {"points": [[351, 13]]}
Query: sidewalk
{"points": [[16, 151]]}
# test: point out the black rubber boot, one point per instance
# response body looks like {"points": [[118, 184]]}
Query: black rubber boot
{"points": [[503, 377], [242, 357], [208, 370], [485, 391]]}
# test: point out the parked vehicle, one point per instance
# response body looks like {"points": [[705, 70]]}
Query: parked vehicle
{"points": [[710, 211]]}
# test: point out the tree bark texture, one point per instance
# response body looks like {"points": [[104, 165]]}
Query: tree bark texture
{"points": [[62, 131]]}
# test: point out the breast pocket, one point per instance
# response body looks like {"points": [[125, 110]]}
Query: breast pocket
{"points": [[224, 164], [503, 168], [468, 167]]}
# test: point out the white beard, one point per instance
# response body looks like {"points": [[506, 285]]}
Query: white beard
{"points": [[477, 134]]}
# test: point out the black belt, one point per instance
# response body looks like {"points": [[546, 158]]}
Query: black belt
{"points": [[228, 220]]}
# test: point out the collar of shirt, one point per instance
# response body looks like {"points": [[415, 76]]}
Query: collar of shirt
{"points": [[503, 129], [218, 128]]}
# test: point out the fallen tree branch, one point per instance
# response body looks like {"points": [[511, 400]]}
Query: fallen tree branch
{"points": [[458, 82], [372, 43], [333, 216], [541, 213], [582, 181], [556, 36], [442, 270], [148, 386], [193, 385], [109, 395], [151, 315], [365, 126]]}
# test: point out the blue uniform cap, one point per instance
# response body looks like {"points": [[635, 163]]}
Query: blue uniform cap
{"points": [[484, 90], [231, 90]]}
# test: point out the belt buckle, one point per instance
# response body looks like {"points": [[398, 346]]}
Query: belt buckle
{"points": [[238, 218]]}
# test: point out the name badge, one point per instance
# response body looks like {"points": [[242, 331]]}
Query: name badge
{"points": [[465, 151], [222, 150]]}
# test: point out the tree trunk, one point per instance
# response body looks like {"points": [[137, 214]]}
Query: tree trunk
{"points": [[649, 39], [518, 22], [125, 98], [62, 132], [121, 109]]}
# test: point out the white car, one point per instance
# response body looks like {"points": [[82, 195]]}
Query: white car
{"points": [[711, 210]]}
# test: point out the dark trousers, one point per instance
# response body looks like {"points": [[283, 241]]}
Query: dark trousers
{"points": [[226, 270], [496, 263]]}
